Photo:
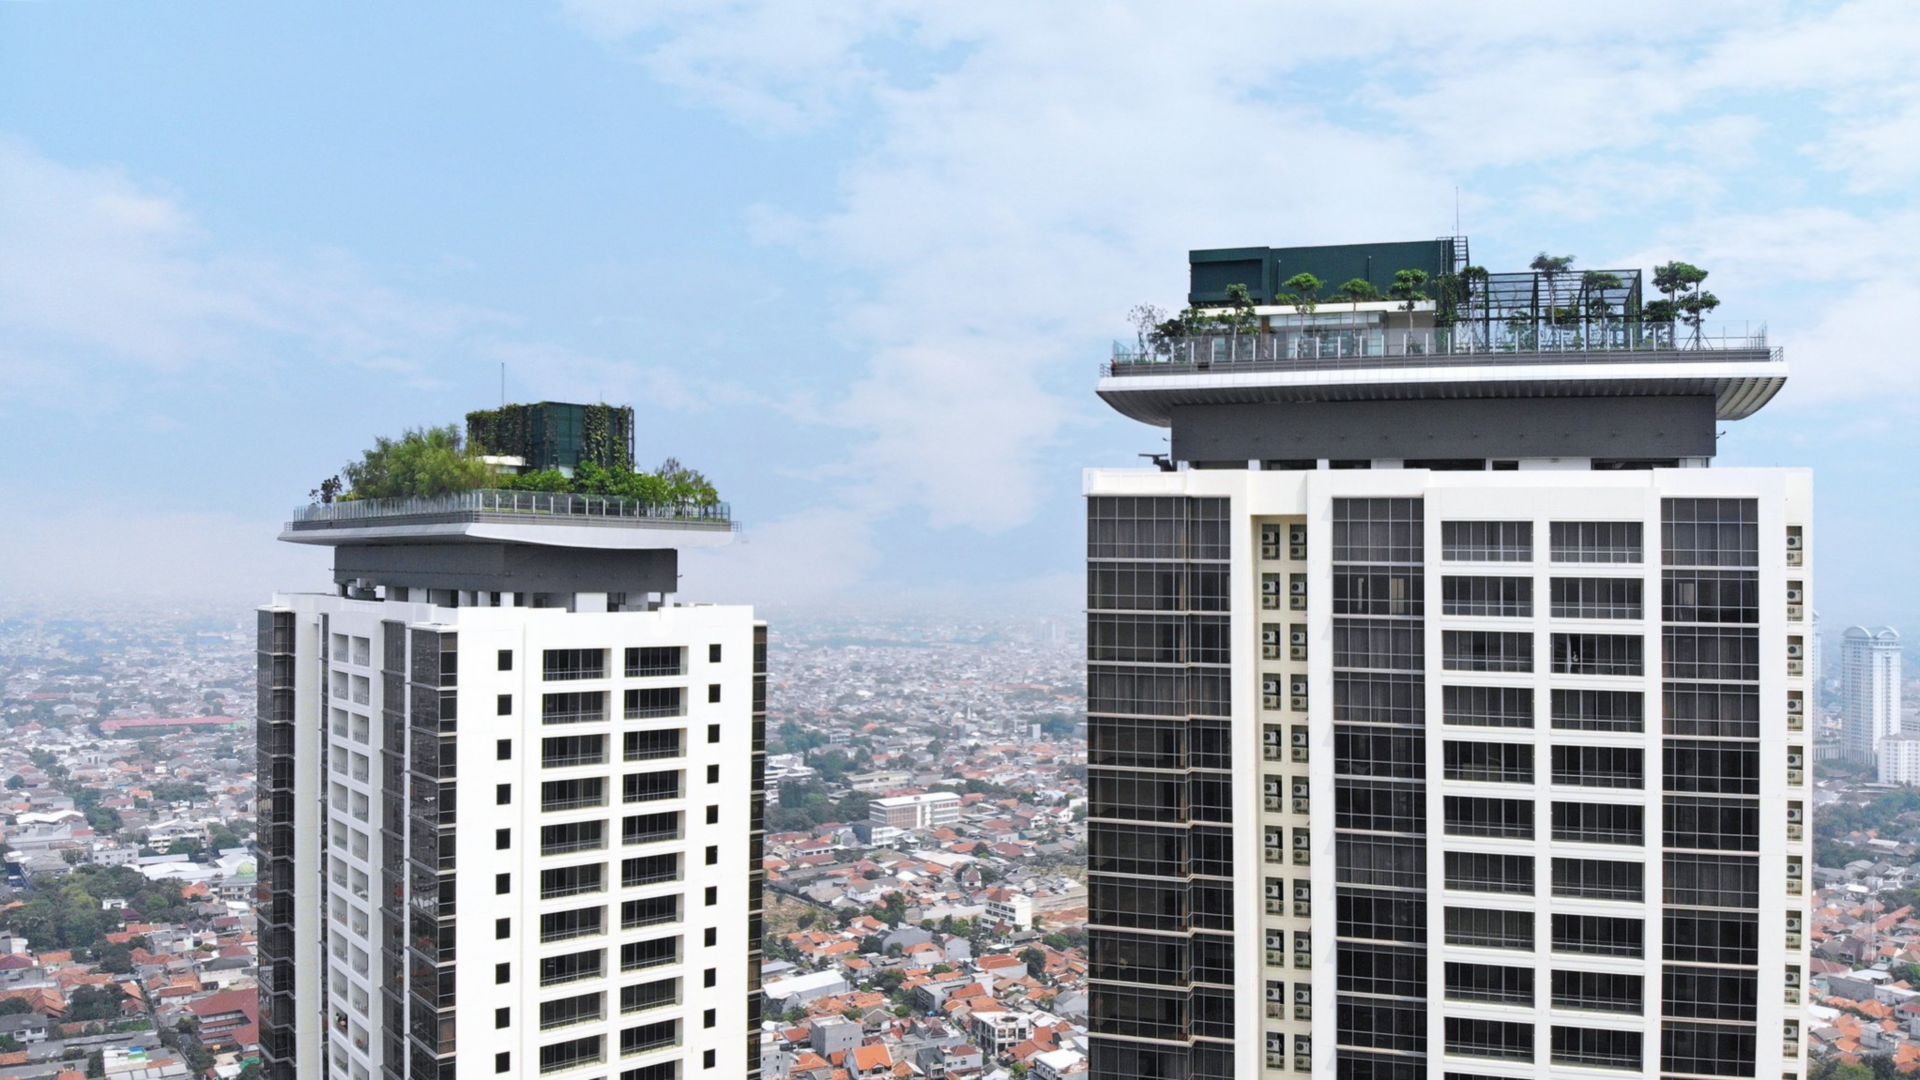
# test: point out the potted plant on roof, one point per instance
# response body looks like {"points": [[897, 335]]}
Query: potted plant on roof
{"points": [[1407, 288], [1303, 292]]}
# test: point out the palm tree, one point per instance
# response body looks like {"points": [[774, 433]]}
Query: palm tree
{"points": [[1550, 267]]}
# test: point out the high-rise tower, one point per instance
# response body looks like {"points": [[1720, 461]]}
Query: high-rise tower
{"points": [[1869, 690], [510, 803], [1446, 711]]}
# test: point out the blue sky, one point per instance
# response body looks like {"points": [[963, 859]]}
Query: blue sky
{"points": [[859, 262]]}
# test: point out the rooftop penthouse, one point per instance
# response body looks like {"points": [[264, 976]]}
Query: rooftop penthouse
{"points": [[1419, 355]]}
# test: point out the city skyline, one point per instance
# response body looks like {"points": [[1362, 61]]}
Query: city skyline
{"points": [[890, 248]]}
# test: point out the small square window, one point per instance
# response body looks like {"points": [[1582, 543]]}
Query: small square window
{"points": [[706, 1059], [713, 815], [712, 978], [502, 884], [506, 658], [502, 972], [713, 733], [503, 705], [713, 855], [713, 895], [713, 774], [709, 1017], [713, 654], [713, 693], [502, 929], [502, 839], [502, 1062], [502, 794], [502, 1017], [503, 749], [713, 936]]}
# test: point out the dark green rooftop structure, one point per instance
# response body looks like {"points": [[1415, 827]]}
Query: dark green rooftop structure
{"points": [[555, 434], [1263, 269]]}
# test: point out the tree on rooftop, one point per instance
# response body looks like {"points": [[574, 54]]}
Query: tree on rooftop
{"points": [[1409, 288], [422, 462], [1357, 291], [1303, 292]]}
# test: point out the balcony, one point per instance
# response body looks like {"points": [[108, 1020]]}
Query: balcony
{"points": [[506, 507]]}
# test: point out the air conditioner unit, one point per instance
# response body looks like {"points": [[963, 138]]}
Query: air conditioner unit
{"points": [[1297, 552], [1793, 976], [1793, 868], [1276, 992], [1793, 814], [1296, 534], [1303, 892], [1269, 551], [1303, 995], [1794, 650], [1273, 841], [1297, 637], [1793, 541], [1300, 789], [1299, 686], [1795, 705], [1271, 786], [1270, 586], [1301, 842], [1270, 636], [1270, 534], [1275, 889], [1794, 759], [1793, 924], [1270, 687], [1299, 703], [1270, 737], [1793, 596], [1298, 587], [1299, 737], [1302, 806]]}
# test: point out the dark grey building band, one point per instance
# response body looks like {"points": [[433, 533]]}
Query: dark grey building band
{"points": [[756, 850], [508, 568], [393, 846], [274, 736], [433, 721], [1613, 427]]}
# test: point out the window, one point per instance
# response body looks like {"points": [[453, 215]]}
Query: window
{"points": [[713, 653], [573, 794], [503, 705], [1502, 1039], [711, 977], [650, 787], [1486, 541], [503, 749], [502, 929], [1712, 824], [1470, 816], [562, 881], [1710, 532], [713, 855], [648, 702], [1729, 654], [562, 664], [1487, 650], [1596, 541], [650, 828], [1597, 598], [713, 693], [1596, 1048], [1730, 712], [572, 967], [1488, 706], [1597, 991], [1600, 823], [1712, 881], [504, 659], [502, 794], [1599, 710], [1377, 591], [1709, 994], [649, 911], [1488, 762], [1712, 937], [653, 995], [574, 708], [1714, 768], [1598, 654], [636, 955], [1599, 879], [502, 839], [1378, 530], [572, 1053], [502, 1017], [713, 895], [649, 662], [1710, 596], [1599, 766], [713, 774], [567, 751], [650, 745], [649, 869], [502, 1062], [572, 836], [713, 733], [502, 972], [1490, 982], [1477, 871], [1707, 1049], [1370, 915], [579, 1009], [502, 884], [1489, 928], [713, 815], [578, 922], [1378, 644], [1500, 597], [712, 937], [1381, 969], [1598, 935]]}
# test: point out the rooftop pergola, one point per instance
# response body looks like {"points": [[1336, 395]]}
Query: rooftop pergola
{"points": [[1533, 307]]}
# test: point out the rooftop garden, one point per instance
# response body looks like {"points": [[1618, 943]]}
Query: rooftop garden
{"points": [[434, 461], [1549, 306]]}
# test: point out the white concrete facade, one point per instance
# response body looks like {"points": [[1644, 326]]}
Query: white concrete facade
{"points": [[518, 857], [1869, 689], [1283, 678]]}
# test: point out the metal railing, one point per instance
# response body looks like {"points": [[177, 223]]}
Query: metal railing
{"points": [[588, 509], [1376, 347]]}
